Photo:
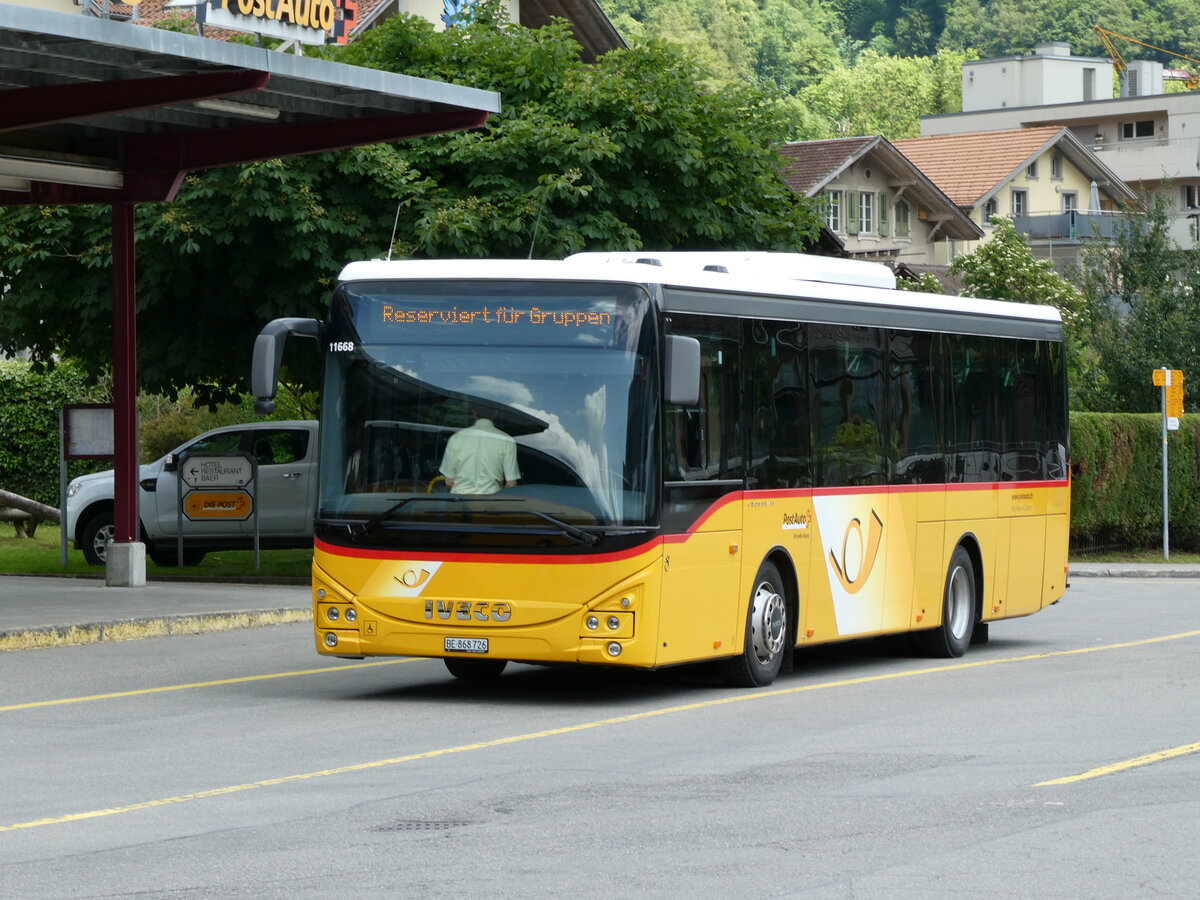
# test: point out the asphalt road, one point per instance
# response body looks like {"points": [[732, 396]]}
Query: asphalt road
{"points": [[1060, 760]]}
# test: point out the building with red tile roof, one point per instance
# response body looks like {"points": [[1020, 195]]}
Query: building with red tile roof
{"points": [[880, 204]]}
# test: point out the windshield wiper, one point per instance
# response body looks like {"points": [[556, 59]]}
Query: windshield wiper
{"points": [[587, 538], [369, 525]]}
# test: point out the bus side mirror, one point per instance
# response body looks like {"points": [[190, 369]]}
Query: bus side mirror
{"points": [[268, 357], [681, 380]]}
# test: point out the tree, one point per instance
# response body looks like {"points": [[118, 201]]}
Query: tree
{"points": [[882, 94], [628, 153], [1142, 313]]}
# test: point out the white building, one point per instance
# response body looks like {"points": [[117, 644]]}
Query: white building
{"points": [[1149, 139]]}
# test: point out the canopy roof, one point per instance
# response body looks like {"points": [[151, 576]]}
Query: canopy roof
{"points": [[98, 111]]}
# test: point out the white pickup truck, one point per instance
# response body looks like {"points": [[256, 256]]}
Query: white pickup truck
{"points": [[284, 490]]}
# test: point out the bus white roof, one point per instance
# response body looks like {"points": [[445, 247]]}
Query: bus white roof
{"points": [[762, 274]]}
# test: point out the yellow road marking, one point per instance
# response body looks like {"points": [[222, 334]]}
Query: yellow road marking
{"points": [[1122, 766], [242, 679], [572, 729]]}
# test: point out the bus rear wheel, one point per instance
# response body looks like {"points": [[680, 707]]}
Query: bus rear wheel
{"points": [[767, 630], [474, 669], [951, 638]]}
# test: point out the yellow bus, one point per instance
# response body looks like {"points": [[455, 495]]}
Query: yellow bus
{"points": [[720, 457]]}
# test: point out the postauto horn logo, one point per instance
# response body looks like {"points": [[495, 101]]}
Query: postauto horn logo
{"points": [[869, 548], [414, 577]]}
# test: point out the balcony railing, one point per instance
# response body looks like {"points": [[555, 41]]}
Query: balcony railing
{"points": [[1069, 226]]}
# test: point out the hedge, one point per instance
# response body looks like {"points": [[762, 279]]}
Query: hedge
{"points": [[1116, 489], [29, 407]]}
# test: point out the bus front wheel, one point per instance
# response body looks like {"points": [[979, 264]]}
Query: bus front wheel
{"points": [[766, 632], [474, 669], [950, 639]]}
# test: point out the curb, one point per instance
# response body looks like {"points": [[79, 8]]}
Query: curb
{"points": [[152, 626], [1126, 573]]}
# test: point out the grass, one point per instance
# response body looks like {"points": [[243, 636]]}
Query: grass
{"points": [[1154, 555], [41, 555]]}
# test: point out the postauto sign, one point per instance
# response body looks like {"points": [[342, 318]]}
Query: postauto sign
{"points": [[306, 21]]}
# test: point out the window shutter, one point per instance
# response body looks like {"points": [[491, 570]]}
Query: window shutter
{"points": [[851, 212], [883, 213]]}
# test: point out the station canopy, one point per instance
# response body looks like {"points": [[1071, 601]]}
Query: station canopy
{"points": [[100, 111]]}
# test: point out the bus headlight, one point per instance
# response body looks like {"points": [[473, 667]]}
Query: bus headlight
{"points": [[332, 614], [331, 640], [592, 623], [614, 649], [352, 615]]}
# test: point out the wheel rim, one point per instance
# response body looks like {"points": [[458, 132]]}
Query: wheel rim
{"points": [[767, 622], [959, 601], [100, 541]]}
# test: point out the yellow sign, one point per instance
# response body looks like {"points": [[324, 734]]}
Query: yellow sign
{"points": [[218, 505], [1175, 400], [1168, 377]]}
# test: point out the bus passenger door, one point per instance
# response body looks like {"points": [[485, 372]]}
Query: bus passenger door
{"points": [[701, 603]]}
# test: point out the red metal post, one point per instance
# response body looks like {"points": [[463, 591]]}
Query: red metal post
{"points": [[125, 512]]}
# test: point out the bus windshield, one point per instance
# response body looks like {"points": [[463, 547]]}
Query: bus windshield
{"points": [[552, 386]]}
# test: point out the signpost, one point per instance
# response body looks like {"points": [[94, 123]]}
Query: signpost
{"points": [[86, 431], [218, 487], [1171, 382]]}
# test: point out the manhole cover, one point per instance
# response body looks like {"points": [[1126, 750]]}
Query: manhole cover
{"points": [[419, 826]]}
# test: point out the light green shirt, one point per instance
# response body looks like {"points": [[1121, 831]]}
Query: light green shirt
{"points": [[480, 459]]}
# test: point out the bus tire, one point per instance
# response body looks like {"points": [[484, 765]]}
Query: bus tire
{"points": [[767, 629], [951, 638], [474, 669]]}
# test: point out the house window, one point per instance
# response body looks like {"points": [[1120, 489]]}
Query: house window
{"points": [[1132, 130], [1056, 167], [1031, 170], [1020, 203], [1191, 196], [833, 211], [866, 213], [989, 209], [1089, 84], [902, 216], [1070, 201]]}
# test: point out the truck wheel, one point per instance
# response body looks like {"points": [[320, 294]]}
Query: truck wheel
{"points": [[94, 537]]}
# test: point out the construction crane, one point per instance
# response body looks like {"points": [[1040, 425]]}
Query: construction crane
{"points": [[1106, 38]]}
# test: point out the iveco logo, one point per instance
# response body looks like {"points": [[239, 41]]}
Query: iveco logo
{"points": [[468, 610]]}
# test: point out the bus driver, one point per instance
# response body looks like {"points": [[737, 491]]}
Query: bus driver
{"points": [[480, 459]]}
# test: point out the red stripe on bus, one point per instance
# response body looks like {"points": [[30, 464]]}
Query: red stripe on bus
{"points": [[681, 537]]}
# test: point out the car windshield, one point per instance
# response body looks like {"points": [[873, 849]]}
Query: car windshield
{"points": [[550, 387]]}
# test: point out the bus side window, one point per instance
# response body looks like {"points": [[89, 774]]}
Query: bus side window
{"points": [[846, 368], [703, 441], [916, 429], [777, 354]]}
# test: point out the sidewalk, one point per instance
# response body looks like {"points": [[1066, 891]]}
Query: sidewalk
{"points": [[46, 611]]}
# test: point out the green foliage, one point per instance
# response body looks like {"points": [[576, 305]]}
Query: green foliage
{"points": [[1116, 491], [1141, 312], [925, 284], [168, 422], [780, 44], [30, 402], [883, 94], [1007, 27]]}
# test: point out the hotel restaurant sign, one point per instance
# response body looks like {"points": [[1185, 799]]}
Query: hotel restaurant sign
{"points": [[305, 21]]}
